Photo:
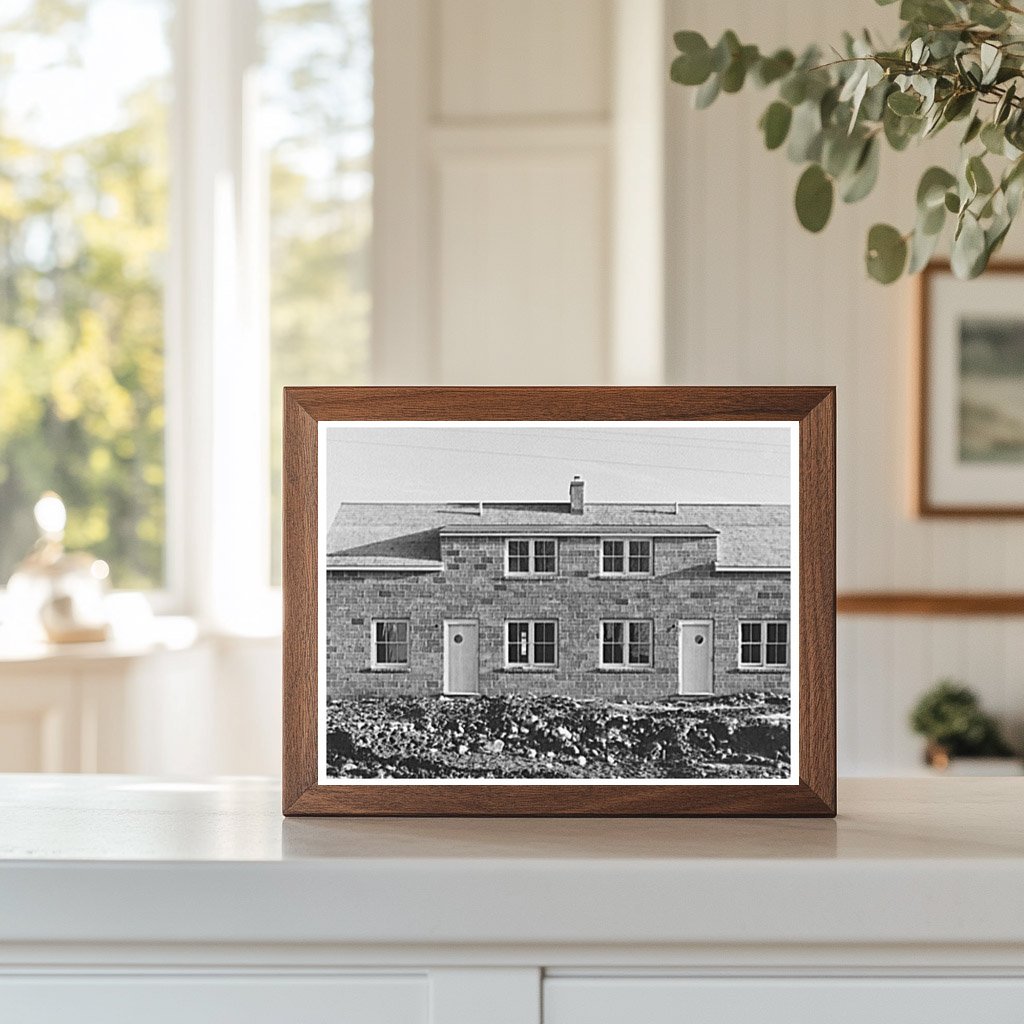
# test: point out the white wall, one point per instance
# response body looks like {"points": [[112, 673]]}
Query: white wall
{"points": [[754, 299]]}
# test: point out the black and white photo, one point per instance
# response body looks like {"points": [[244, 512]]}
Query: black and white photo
{"points": [[532, 602]]}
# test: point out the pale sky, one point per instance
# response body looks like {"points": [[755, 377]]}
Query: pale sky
{"points": [[505, 462]]}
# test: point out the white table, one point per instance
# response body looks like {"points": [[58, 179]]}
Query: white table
{"points": [[125, 898]]}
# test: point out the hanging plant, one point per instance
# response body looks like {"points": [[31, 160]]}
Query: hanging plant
{"points": [[958, 61]]}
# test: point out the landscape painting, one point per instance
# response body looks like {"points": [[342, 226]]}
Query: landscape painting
{"points": [[567, 601], [992, 389]]}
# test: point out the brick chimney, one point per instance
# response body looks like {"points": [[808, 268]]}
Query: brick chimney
{"points": [[576, 496]]}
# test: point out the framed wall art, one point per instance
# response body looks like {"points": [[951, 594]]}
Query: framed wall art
{"points": [[970, 450], [559, 601]]}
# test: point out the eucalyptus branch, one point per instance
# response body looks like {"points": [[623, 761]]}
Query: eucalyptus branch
{"points": [[955, 61]]}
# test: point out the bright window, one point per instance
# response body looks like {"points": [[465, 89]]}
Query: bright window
{"points": [[390, 642], [764, 644], [531, 643], [531, 557], [626, 642], [84, 170], [626, 557]]}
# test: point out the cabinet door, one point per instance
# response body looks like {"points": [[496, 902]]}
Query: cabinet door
{"points": [[783, 1001], [202, 999]]}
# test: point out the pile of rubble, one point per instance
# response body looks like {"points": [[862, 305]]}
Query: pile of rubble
{"points": [[741, 736]]}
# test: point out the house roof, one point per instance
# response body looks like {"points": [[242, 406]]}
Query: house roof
{"points": [[407, 535]]}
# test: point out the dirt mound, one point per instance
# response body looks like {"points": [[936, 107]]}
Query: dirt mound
{"points": [[522, 737]]}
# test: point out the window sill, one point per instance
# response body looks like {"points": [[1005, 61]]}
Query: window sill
{"points": [[395, 670], [527, 668], [754, 670], [625, 668]]}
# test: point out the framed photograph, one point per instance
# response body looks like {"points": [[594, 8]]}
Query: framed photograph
{"points": [[970, 450], [559, 601]]}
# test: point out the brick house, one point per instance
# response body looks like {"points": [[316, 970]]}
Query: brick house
{"points": [[628, 601]]}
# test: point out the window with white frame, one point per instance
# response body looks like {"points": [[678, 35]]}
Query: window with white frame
{"points": [[626, 643], [389, 647], [764, 644], [531, 556], [622, 557], [194, 207], [531, 642], [84, 225]]}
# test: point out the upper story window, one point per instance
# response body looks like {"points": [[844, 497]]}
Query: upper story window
{"points": [[626, 643], [764, 644], [531, 643], [390, 643], [626, 557], [531, 557]]}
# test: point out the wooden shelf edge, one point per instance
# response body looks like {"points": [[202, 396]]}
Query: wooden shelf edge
{"points": [[928, 603]]}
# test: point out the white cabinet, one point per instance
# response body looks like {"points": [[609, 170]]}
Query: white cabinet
{"points": [[216, 1000], [823, 1000], [126, 899]]}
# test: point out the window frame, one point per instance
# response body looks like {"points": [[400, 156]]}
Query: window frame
{"points": [[530, 663], [531, 556], [390, 666], [625, 665], [763, 665], [626, 556]]}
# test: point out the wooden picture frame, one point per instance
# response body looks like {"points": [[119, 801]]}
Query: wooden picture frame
{"points": [[807, 412], [941, 488]]}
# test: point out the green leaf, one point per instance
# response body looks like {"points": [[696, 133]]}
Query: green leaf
{"points": [[900, 130], [814, 194], [973, 130], [958, 106], [771, 69], [931, 191], [969, 254], [922, 247], [725, 49], [886, 254], [735, 74], [903, 103], [978, 176], [952, 202], [775, 124], [1005, 104], [839, 151], [993, 138], [991, 57], [794, 89], [707, 93], [865, 173], [805, 133], [693, 65], [987, 15]]}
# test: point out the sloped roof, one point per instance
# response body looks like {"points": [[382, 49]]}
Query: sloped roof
{"points": [[407, 535]]}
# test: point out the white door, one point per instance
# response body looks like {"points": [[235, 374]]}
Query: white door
{"points": [[695, 655], [461, 656]]}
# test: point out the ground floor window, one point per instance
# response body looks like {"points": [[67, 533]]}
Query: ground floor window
{"points": [[390, 643], [531, 643], [626, 642], [764, 644]]}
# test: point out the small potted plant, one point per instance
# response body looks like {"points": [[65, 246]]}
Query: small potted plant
{"points": [[950, 718]]}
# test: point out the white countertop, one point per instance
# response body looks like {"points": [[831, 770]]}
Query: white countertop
{"points": [[122, 859]]}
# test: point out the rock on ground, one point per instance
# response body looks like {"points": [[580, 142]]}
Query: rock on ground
{"points": [[740, 736]]}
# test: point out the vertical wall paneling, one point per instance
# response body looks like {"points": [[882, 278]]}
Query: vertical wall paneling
{"points": [[751, 298], [638, 210]]}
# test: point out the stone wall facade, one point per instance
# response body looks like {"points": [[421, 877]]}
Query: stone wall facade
{"points": [[683, 586]]}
